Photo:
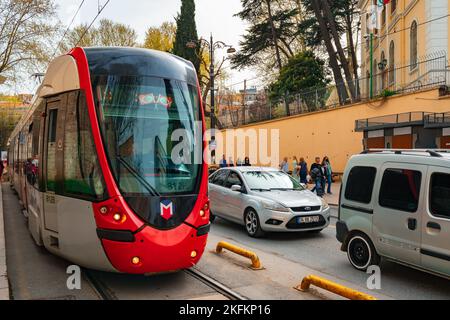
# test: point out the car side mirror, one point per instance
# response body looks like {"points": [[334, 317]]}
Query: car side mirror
{"points": [[236, 188]]}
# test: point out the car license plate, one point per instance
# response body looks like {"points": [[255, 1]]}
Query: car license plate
{"points": [[308, 219]]}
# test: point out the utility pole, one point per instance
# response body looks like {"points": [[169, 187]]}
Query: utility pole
{"points": [[243, 98], [371, 65]]}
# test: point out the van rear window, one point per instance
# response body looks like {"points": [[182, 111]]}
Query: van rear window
{"points": [[440, 195], [360, 184]]}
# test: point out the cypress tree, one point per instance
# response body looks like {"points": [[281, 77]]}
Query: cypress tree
{"points": [[187, 32]]}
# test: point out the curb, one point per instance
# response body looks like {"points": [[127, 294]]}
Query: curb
{"points": [[4, 285]]}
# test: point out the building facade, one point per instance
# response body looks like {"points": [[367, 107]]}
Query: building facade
{"points": [[410, 45]]}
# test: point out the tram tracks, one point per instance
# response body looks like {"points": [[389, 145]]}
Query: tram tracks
{"points": [[105, 293], [214, 284], [100, 288]]}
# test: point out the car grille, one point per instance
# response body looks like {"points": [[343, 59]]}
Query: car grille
{"points": [[306, 209], [292, 224]]}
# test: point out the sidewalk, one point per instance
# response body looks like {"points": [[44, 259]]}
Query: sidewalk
{"points": [[4, 286], [333, 199]]}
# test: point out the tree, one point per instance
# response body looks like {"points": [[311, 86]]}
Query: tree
{"points": [[107, 34], [272, 29], [303, 72], [25, 34], [326, 23], [161, 38], [187, 32]]}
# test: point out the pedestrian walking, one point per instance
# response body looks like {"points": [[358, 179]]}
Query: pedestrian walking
{"points": [[239, 162], [328, 173], [284, 166], [246, 162], [317, 174], [295, 168], [223, 162], [303, 171]]}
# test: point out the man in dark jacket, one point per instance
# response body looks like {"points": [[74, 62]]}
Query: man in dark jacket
{"points": [[318, 174]]}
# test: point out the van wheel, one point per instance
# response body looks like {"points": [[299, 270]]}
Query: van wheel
{"points": [[361, 253], [252, 224]]}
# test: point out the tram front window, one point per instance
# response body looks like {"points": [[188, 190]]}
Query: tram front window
{"points": [[138, 116]]}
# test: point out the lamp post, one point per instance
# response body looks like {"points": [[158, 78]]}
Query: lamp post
{"points": [[212, 47]]}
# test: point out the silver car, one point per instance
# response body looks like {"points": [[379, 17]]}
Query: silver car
{"points": [[265, 200]]}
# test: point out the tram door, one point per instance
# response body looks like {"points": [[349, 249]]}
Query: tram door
{"points": [[54, 143]]}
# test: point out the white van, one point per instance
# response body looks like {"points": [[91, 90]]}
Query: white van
{"points": [[396, 204]]}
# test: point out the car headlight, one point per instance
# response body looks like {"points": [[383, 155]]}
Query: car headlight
{"points": [[324, 204], [275, 206]]}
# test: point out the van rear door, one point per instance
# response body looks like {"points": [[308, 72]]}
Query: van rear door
{"points": [[435, 248], [397, 217]]}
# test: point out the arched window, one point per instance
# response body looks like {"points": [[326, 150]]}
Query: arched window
{"points": [[391, 63], [413, 46], [368, 83], [383, 71]]}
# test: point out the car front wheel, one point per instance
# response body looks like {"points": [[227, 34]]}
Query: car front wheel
{"points": [[252, 224], [361, 252]]}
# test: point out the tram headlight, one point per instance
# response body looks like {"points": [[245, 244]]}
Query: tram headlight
{"points": [[118, 217], [193, 254], [136, 260], [104, 210], [202, 213]]}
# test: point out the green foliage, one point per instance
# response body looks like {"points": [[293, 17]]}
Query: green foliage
{"points": [[309, 27], [259, 37], [303, 72], [187, 32], [388, 93]]}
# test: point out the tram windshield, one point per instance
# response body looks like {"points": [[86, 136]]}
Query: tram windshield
{"points": [[149, 127]]}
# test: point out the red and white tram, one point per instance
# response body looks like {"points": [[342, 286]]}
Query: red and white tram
{"points": [[92, 161]]}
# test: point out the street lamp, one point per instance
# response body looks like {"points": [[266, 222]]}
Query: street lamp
{"points": [[212, 47]]}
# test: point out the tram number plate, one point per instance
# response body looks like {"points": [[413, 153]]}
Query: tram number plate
{"points": [[312, 219]]}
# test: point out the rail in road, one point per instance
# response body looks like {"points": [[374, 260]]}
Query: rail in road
{"points": [[105, 292]]}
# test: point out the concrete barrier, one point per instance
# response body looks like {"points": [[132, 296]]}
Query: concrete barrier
{"points": [[332, 287], [256, 263]]}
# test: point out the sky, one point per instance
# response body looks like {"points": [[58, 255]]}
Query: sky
{"points": [[212, 16]]}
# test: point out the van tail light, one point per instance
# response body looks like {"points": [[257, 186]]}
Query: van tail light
{"points": [[339, 203]]}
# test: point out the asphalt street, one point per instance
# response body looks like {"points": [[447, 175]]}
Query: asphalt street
{"points": [[322, 252]]}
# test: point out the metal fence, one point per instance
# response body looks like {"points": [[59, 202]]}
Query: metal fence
{"points": [[425, 73]]}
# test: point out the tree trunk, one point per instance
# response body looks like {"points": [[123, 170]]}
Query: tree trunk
{"points": [[337, 41], [340, 85]]}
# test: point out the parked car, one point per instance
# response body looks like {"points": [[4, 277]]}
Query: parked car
{"points": [[396, 204], [266, 199]]}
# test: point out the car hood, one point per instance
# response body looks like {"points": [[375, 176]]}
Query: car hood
{"points": [[292, 198]]}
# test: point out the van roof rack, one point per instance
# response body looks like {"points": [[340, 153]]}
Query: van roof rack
{"points": [[432, 152]]}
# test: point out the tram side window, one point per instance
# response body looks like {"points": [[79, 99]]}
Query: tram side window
{"points": [[82, 173], [33, 153]]}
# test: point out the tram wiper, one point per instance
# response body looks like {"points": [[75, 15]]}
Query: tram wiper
{"points": [[138, 177]]}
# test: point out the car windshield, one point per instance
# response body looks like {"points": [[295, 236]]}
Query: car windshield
{"points": [[271, 180], [138, 116]]}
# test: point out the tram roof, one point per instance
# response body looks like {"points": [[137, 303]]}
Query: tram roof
{"points": [[124, 61]]}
